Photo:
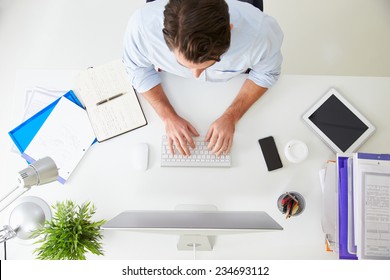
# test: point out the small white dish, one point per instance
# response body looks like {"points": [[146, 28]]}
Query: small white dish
{"points": [[296, 151]]}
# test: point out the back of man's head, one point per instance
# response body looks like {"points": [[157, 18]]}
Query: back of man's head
{"points": [[198, 29]]}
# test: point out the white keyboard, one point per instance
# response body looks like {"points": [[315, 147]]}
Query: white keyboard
{"points": [[200, 156]]}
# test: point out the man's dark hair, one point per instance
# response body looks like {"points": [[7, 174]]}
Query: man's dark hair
{"points": [[198, 29]]}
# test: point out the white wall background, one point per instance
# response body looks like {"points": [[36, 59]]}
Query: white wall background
{"points": [[334, 37]]}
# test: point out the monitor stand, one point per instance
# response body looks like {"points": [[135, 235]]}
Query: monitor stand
{"points": [[198, 242]]}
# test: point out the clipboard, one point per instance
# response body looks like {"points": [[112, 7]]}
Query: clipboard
{"points": [[23, 134], [372, 185]]}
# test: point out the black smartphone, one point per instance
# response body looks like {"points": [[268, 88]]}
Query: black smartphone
{"points": [[270, 153]]}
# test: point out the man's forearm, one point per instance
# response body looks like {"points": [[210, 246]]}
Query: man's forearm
{"points": [[248, 95], [179, 131], [159, 101]]}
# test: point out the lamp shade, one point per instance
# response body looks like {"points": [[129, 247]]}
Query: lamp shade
{"points": [[41, 172], [29, 214]]}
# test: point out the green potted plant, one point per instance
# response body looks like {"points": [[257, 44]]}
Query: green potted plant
{"points": [[70, 234]]}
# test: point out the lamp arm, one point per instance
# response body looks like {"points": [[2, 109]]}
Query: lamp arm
{"points": [[8, 194], [11, 192]]}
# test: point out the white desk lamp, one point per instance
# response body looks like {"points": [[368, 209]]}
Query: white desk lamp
{"points": [[31, 211]]}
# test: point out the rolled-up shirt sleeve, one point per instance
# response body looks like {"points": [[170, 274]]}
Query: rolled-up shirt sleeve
{"points": [[141, 71], [267, 62]]}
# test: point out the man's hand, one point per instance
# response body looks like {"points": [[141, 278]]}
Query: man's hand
{"points": [[220, 135], [180, 133]]}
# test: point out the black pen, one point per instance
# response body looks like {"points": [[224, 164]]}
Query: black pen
{"points": [[108, 99]]}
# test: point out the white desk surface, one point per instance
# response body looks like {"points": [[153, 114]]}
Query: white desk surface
{"points": [[105, 177]]}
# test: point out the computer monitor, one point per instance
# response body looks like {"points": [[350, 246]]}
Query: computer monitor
{"points": [[197, 228]]}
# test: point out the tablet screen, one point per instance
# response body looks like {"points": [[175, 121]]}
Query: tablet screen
{"points": [[338, 122]]}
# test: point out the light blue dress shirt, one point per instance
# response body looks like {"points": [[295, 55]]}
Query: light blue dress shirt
{"points": [[256, 40]]}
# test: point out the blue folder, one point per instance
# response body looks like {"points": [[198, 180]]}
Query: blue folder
{"points": [[374, 156], [23, 134], [343, 209]]}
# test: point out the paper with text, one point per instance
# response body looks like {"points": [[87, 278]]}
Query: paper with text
{"points": [[376, 219], [372, 205]]}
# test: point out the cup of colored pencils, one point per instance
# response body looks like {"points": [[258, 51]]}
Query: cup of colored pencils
{"points": [[291, 204]]}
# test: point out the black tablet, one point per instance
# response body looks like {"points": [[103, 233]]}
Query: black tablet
{"points": [[338, 123]]}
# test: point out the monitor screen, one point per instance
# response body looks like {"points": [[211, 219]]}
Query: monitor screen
{"points": [[193, 221]]}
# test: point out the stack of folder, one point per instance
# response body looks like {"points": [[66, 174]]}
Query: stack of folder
{"points": [[356, 206], [61, 131]]}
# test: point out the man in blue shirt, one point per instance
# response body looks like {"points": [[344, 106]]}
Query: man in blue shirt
{"points": [[212, 40]]}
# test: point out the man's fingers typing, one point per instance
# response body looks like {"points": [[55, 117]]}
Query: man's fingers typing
{"points": [[221, 146], [170, 144], [183, 145]]}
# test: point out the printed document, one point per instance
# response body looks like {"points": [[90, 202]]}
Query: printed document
{"points": [[372, 206], [376, 219]]}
